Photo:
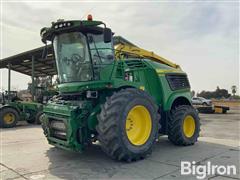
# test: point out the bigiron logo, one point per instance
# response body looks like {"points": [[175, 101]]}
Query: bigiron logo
{"points": [[202, 171]]}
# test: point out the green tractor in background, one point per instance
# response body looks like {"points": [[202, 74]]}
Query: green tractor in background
{"points": [[13, 109], [122, 99]]}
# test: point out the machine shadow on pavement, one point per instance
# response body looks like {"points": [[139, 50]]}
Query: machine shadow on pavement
{"points": [[164, 162]]}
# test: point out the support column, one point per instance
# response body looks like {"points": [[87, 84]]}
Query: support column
{"points": [[9, 81], [33, 79]]}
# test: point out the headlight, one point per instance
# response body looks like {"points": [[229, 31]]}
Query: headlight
{"points": [[61, 25]]}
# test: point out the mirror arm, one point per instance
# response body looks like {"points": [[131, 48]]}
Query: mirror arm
{"points": [[45, 51]]}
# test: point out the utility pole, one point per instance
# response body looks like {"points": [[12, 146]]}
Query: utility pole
{"points": [[9, 81], [33, 80]]}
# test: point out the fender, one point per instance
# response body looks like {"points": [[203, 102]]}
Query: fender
{"points": [[9, 106], [186, 95]]}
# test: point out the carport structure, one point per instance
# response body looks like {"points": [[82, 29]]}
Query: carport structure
{"points": [[31, 63]]}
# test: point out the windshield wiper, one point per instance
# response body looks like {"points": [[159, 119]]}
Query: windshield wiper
{"points": [[95, 48]]}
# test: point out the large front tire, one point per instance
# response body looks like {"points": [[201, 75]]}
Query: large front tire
{"points": [[184, 125], [128, 125]]}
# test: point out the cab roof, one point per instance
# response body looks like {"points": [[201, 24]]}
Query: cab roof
{"points": [[22, 62]]}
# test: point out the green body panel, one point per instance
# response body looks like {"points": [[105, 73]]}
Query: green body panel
{"points": [[163, 91], [92, 119], [82, 86], [70, 122], [26, 110], [71, 116], [83, 117]]}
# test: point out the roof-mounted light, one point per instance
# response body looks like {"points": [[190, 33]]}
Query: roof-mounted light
{"points": [[62, 25], [89, 17]]}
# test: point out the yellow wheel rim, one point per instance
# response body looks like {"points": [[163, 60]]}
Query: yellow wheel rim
{"points": [[138, 125], [9, 118], [188, 126]]}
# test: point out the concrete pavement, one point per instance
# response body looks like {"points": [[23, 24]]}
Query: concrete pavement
{"points": [[25, 154]]}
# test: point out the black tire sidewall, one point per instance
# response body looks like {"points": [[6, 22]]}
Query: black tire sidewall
{"points": [[192, 112], [134, 101], [175, 131], [111, 126], [8, 110], [31, 118], [37, 117]]}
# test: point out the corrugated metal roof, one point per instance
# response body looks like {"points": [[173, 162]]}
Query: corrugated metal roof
{"points": [[23, 62]]}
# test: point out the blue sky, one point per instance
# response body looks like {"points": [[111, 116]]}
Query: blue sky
{"points": [[202, 37]]}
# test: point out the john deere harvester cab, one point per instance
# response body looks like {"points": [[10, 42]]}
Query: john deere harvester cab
{"points": [[124, 102]]}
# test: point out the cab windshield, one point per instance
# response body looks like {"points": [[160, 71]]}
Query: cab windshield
{"points": [[101, 52], [81, 57], [72, 57]]}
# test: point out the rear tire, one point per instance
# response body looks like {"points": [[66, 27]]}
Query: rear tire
{"points": [[184, 125], [8, 117], [38, 117], [113, 131], [31, 119]]}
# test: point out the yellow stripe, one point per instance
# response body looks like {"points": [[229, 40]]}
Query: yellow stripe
{"points": [[166, 70]]}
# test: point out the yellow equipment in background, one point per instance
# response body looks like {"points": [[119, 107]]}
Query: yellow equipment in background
{"points": [[212, 109], [124, 47]]}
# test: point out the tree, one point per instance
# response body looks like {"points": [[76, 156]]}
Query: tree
{"points": [[234, 90], [218, 93]]}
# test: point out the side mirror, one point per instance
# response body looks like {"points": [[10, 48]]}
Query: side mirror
{"points": [[43, 35], [107, 33]]}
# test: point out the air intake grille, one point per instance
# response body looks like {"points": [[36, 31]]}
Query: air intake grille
{"points": [[58, 129], [132, 64], [178, 81]]}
